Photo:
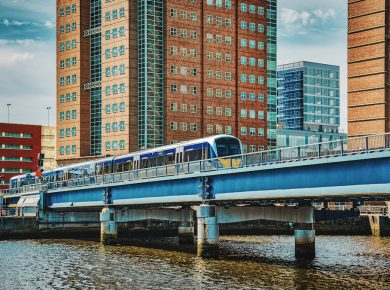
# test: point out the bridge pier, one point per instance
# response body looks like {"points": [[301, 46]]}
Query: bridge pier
{"points": [[375, 221], [186, 227], [108, 226], [305, 235], [208, 231]]}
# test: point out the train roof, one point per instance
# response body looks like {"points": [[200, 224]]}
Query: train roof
{"points": [[171, 146]]}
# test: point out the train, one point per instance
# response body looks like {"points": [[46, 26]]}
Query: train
{"points": [[210, 148]]}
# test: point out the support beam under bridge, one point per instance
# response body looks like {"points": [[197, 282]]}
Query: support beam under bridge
{"points": [[208, 219]]}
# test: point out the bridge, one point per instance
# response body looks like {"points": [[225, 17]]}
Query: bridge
{"points": [[213, 192]]}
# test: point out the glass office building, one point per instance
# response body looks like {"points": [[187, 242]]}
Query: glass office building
{"points": [[309, 97]]}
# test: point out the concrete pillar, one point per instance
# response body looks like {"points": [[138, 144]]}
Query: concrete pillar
{"points": [[108, 227], [375, 224], [208, 231], [305, 234], [186, 227]]}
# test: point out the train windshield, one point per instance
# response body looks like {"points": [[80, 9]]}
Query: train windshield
{"points": [[228, 147]]}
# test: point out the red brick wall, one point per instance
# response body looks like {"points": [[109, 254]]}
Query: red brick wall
{"points": [[34, 141]]}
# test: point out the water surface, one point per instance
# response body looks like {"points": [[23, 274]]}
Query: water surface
{"points": [[247, 262]]}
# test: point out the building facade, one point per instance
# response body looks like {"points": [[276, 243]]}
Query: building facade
{"points": [[19, 149], [368, 67], [309, 97], [140, 74]]}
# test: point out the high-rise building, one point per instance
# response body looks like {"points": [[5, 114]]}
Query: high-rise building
{"points": [[140, 74], [309, 97], [368, 67], [19, 148], [308, 104]]}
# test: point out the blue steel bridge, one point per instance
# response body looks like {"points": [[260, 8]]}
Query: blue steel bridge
{"points": [[219, 191]]}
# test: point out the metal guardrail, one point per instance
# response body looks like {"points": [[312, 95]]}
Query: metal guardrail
{"points": [[380, 210], [338, 148]]}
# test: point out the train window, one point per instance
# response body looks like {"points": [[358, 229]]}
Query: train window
{"points": [[193, 155], [106, 169], [228, 147], [145, 163]]}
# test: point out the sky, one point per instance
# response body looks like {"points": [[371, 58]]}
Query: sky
{"points": [[311, 30]]}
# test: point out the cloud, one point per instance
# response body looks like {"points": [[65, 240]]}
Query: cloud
{"points": [[49, 24], [21, 42], [301, 21], [7, 22]]}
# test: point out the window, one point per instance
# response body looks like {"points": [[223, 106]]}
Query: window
{"points": [[115, 108], [173, 12], [74, 114], [74, 61], [173, 126], [108, 53], [62, 133], [74, 149], [252, 9], [243, 42], [108, 16], [114, 51], [183, 126], [122, 88], [173, 31], [122, 126], [121, 31], [193, 109], [210, 110], [243, 96], [228, 112], [122, 144], [243, 7], [193, 127], [260, 97], [108, 127], [67, 115], [114, 14], [260, 28], [115, 126], [108, 146], [260, 115], [243, 78], [122, 50], [74, 131], [67, 149], [122, 107], [252, 114], [260, 62], [243, 25], [62, 98], [243, 130], [252, 131], [243, 60], [62, 151], [260, 131], [122, 12], [243, 113], [210, 128], [122, 69], [228, 94], [173, 88], [74, 26]]}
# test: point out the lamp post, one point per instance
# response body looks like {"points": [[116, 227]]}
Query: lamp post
{"points": [[48, 116], [8, 107]]}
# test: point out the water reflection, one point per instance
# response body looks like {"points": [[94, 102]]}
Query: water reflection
{"points": [[246, 263]]}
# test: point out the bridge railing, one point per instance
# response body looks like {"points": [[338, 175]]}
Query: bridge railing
{"points": [[344, 147], [374, 210]]}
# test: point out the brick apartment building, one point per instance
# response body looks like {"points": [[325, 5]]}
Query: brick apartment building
{"points": [[19, 148], [140, 74], [368, 67]]}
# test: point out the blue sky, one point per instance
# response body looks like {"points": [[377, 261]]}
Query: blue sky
{"points": [[313, 30]]}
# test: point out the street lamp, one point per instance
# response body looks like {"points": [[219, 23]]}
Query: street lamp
{"points": [[8, 105], [48, 116]]}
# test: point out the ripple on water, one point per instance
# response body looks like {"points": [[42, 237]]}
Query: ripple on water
{"points": [[245, 263]]}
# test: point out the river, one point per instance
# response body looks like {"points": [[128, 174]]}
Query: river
{"points": [[246, 262]]}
